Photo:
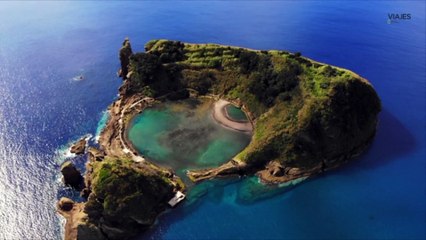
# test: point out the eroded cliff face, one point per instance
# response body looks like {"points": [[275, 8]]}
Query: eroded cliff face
{"points": [[79, 147]]}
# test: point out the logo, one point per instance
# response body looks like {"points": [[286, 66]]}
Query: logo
{"points": [[398, 17]]}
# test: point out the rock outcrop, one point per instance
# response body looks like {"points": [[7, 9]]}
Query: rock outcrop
{"points": [[275, 169], [65, 204], [96, 154], [77, 225], [71, 175], [124, 55], [79, 147]]}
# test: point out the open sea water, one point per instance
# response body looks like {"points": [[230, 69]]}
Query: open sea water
{"points": [[45, 45]]}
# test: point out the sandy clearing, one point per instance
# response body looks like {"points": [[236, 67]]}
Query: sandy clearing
{"points": [[220, 116]]}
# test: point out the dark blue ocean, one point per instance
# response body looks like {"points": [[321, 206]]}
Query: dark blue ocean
{"points": [[44, 45]]}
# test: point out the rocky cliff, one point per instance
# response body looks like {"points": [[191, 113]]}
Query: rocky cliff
{"points": [[124, 192]]}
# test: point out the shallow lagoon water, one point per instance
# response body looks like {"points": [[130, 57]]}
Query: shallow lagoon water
{"points": [[235, 113], [183, 135]]}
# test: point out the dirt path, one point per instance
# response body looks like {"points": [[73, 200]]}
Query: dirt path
{"points": [[219, 115]]}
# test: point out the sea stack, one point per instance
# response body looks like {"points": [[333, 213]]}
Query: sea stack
{"points": [[72, 176], [124, 54], [79, 147]]}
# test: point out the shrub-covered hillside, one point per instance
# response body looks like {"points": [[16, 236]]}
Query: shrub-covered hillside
{"points": [[126, 196], [306, 113]]}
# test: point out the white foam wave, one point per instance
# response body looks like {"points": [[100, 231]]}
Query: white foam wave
{"points": [[63, 153], [101, 125]]}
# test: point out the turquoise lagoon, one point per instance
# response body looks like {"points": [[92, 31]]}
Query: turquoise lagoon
{"points": [[183, 135], [235, 113]]}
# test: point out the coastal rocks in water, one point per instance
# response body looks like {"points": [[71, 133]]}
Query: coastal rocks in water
{"points": [[125, 53], [77, 225], [65, 204], [72, 176], [79, 147], [95, 154], [230, 168], [85, 192], [275, 169], [275, 172]]}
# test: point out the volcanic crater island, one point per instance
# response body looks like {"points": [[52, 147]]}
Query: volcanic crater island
{"points": [[294, 118]]}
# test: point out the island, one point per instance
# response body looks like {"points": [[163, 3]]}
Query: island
{"points": [[304, 117]]}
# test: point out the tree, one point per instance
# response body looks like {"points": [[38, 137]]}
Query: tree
{"points": [[168, 51], [145, 67], [329, 71], [248, 61]]}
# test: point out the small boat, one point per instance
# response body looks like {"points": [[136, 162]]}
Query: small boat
{"points": [[78, 78], [179, 196]]}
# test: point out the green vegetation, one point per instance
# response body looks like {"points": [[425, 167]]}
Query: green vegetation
{"points": [[126, 195], [306, 112], [307, 115], [124, 55]]}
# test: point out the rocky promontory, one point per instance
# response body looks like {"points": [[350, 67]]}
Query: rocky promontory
{"points": [[79, 147], [124, 192]]}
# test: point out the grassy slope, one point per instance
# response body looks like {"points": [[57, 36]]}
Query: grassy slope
{"points": [[305, 111], [126, 196]]}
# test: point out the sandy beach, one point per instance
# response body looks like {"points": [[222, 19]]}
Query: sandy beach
{"points": [[219, 114]]}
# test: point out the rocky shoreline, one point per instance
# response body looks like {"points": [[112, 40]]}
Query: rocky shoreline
{"points": [[274, 172], [112, 144], [79, 147]]}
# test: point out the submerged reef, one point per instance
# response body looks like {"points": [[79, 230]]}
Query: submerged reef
{"points": [[305, 118]]}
